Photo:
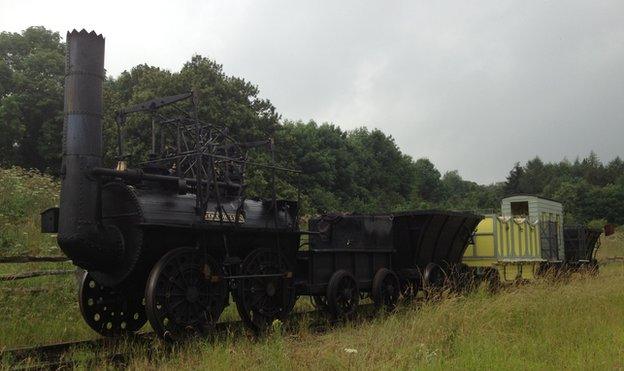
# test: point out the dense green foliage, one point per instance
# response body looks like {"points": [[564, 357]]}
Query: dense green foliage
{"points": [[31, 98], [23, 195], [360, 170], [588, 189]]}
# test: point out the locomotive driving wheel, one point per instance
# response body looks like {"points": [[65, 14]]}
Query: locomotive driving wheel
{"points": [[343, 295], [111, 311], [386, 289], [266, 293], [185, 294]]}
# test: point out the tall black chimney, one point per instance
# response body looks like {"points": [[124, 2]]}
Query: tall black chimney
{"points": [[80, 235]]}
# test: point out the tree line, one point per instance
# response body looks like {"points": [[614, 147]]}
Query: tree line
{"points": [[359, 170]]}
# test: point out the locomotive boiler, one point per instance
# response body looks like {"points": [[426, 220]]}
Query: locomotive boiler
{"points": [[170, 240]]}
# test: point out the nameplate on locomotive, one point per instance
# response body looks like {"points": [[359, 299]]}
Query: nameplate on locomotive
{"points": [[213, 216]]}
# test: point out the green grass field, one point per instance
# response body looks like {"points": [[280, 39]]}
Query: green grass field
{"points": [[576, 323]]}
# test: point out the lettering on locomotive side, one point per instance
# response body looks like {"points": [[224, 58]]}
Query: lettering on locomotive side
{"points": [[213, 216]]}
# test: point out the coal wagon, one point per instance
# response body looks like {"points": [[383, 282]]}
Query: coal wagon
{"points": [[581, 244], [380, 255]]}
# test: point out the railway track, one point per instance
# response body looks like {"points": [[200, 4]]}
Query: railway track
{"points": [[60, 355], [117, 351], [71, 353]]}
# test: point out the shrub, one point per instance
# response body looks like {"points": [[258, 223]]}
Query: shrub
{"points": [[24, 194]]}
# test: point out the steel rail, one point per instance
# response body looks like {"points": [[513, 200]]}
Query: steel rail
{"points": [[52, 356]]}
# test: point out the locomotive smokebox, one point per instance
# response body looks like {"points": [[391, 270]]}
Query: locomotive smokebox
{"points": [[81, 235]]}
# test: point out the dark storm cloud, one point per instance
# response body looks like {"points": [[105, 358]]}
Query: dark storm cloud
{"points": [[474, 86]]}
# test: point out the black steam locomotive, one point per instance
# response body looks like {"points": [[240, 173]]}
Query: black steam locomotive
{"points": [[173, 240]]}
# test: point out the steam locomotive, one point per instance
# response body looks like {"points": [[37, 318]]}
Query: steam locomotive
{"points": [[175, 239]]}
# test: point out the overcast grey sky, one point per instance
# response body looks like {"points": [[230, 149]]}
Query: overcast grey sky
{"points": [[472, 85]]}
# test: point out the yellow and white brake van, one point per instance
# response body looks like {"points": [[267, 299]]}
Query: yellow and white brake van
{"points": [[515, 244]]}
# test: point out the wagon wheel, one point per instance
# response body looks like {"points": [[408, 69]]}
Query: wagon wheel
{"points": [[343, 294], [434, 280], [386, 289], [183, 295], [111, 311], [261, 300]]}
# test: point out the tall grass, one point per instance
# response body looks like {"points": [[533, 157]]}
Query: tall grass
{"points": [[546, 325], [24, 194], [40, 310], [572, 324]]}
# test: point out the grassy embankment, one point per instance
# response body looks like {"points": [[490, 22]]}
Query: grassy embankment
{"points": [[545, 325]]}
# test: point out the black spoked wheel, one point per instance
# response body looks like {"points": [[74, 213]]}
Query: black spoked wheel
{"points": [[343, 295], [267, 293], [111, 311], [185, 294], [434, 280], [386, 289]]}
